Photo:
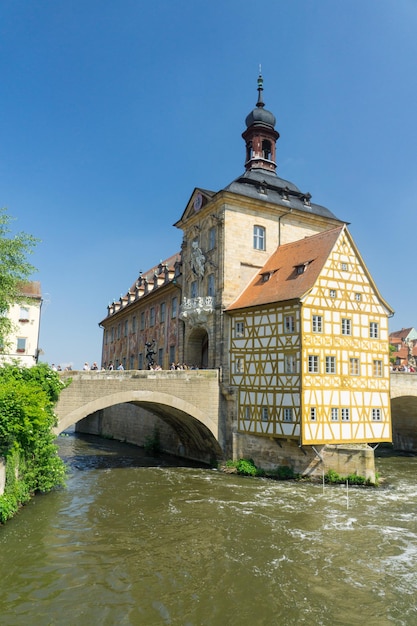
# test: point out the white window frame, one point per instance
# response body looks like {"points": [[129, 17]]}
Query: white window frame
{"points": [[289, 323], [377, 369], [374, 330], [345, 414], [290, 363], [330, 365], [346, 326], [313, 364], [376, 415], [288, 414], [317, 323], [354, 366], [313, 414], [264, 414], [259, 237], [334, 414], [239, 329]]}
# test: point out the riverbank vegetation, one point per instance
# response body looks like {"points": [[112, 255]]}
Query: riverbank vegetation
{"points": [[27, 399], [246, 467]]}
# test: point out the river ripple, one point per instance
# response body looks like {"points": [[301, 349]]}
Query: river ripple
{"points": [[134, 540]]}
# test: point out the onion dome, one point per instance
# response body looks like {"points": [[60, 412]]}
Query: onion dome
{"points": [[260, 115]]}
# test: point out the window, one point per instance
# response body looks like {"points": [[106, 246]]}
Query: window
{"points": [[160, 355], [266, 149], [247, 412], [126, 328], [317, 324], [313, 364], [330, 365], [171, 354], [289, 324], [344, 267], [112, 334], [24, 314], [194, 289], [21, 344], [119, 331], [376, 415], [212, 238], [134, 324], [346, 327], [140, 361], [334, 414], [354, 367], [264, 414], [142, 320], [313, 413], [332, 293], [239, 329], [373, 330], [288, 415], [259, 237], [239, 366], [377, 368], [162, 312], [174, 307], [152, 316], [290, 364], [358, 297], [345, 415], [210, 285], [132, 362]]}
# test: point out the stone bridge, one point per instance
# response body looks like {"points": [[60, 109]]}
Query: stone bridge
{"points": [[404, 411], [187, 401]]}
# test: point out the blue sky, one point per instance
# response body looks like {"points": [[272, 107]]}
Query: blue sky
{"points": [[113, 111]]}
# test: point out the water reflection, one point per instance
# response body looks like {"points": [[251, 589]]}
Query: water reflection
{"points": [[133, 540]]}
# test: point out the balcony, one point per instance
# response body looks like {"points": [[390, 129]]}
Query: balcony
{"points": [[196, 310]]}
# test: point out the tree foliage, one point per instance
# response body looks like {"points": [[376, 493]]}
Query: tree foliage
{"points": [[14, 269], [27, 400]]}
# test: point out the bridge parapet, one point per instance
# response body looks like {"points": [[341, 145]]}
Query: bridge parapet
{"points": [[189, 392], [403, 384]]}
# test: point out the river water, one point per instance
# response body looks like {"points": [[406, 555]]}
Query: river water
{"points": [[140, 541]]}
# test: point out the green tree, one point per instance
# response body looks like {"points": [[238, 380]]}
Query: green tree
{"points": [[14, 270]]}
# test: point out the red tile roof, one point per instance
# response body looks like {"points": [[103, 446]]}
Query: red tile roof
{"points": [[284, 282]]}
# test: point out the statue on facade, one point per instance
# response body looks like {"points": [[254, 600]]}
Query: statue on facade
{"points": [[197, 259]]}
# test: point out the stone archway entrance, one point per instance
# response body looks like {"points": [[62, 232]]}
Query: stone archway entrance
{"points": [[197, 348]]}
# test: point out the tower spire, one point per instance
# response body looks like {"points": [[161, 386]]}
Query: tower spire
{"points": [[260, 135], [260, 102]]}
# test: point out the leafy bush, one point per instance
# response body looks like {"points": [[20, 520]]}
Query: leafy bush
{"points": [[333, 477], [27, 400]]}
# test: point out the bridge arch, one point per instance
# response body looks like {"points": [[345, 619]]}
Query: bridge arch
{"points": [[187, 403]]}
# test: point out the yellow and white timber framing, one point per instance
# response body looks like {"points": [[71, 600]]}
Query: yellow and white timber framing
{"points": [[316, 368]]}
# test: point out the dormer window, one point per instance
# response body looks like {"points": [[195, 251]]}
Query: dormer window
{"points": [[267, 275], [301, 268]]}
